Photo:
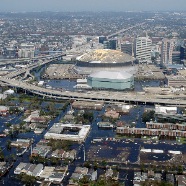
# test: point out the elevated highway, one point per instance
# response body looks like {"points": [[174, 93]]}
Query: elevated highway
{"points": [[20, 61], [107, 96], [124, 30], [32, 66]]}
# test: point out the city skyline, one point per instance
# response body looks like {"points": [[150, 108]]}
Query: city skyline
{"points": [[88, 5]]}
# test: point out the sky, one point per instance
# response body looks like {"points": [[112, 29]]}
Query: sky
{"points": [[91, 5]]}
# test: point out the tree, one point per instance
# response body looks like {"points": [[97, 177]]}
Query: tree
{"points": [[8, 145], [180, 169], [87, 164], [88, 116], [147, 116], [156, 183], [28, 180], [1, 155], [84, 180]]}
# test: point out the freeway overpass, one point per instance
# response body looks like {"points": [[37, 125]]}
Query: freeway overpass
{"points": [[107, 96], [4, 62], [32, 66]]}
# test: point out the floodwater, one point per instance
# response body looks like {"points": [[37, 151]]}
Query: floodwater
{"points": [[133, 118]]}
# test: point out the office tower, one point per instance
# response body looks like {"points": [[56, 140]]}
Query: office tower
{"points": [[143, 49], [166, 51], [111, 44], [10, 52], [183, 53], [127, 48], [176, 57], [102, 39]]}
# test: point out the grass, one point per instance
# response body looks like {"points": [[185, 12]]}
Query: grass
{"points": [[123, 137], [149, 138], [181, 140]]}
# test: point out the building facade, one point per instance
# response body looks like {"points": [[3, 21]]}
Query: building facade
{"points": [[167, 51], [183, 53], [127, 48], [143, 49], [110, 44]]}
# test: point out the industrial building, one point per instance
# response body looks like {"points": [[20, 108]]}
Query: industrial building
{"points": [[111, 80]]}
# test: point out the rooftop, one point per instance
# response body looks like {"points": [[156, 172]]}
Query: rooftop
{"points": [[105, 56]]}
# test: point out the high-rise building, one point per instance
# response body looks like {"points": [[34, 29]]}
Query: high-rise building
{"points": [[167, 48], [143, 49], [127, 48], [111, 44], [26, 50], [10, 52], [176, 57], [183, 53], [102, 39]]}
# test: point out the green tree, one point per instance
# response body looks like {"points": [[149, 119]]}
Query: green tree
{"points": [[2, 157], [83, 181], [28, 180], [147, 116], [180, 169], [8, 145]]}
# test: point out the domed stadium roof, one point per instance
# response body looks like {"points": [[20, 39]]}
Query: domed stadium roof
{"points": [[111, 75], [105, 56]]}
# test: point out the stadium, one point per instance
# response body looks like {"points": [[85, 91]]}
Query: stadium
{"points": [[106, 69], [104, 59], [111, 80]]}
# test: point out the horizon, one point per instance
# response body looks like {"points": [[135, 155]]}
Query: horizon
{"points": [[92, 6]]}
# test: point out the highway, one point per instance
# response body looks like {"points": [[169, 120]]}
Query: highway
{"points": [[107, 96], [124, 30], [32, 66], [4, 62]]}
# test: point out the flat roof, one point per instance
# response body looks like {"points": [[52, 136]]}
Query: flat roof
{"points": [[55, 134]]}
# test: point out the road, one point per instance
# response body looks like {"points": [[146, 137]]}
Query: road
{"points": [[124, 30], [108, 96]]}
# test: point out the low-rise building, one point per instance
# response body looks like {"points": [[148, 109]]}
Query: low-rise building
{"points": [[47, 173], [112, 114], [150, 132], [81, 172], [29, 169], [181, 180], [176, 81], [4, 110], [56, 132]]}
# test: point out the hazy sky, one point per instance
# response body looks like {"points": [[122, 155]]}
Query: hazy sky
{"points": [[91, 5]]}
